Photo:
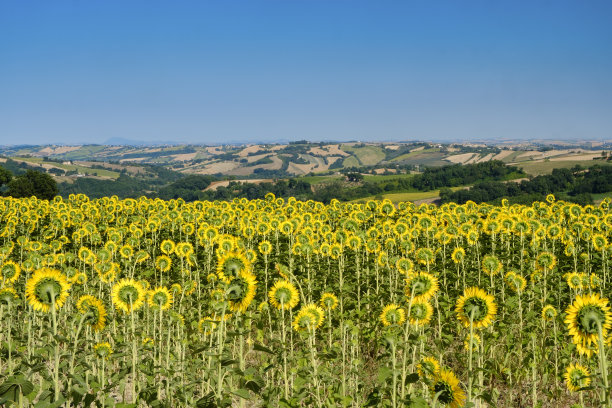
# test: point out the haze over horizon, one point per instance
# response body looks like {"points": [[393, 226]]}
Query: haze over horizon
{"points": [[262, 71]]}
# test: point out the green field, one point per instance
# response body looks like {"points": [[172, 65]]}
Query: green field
{"points": [[408, 196], [70, 167], [414, 154], [367, 156], [546, 167]]}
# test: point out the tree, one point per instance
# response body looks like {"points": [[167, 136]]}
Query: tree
{"points": [[5, 176], [33, 183]]}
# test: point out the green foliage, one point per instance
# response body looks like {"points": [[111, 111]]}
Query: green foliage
{"points": [[33, 183]]}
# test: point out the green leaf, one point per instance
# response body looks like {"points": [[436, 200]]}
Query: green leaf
{"points": [[242, 393], [260, 347]]}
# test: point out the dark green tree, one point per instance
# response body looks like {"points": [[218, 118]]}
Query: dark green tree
{"points": [[33, 183], [5, 176]]}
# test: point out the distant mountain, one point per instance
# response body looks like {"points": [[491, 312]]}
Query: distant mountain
{"points": [[120, 141]]}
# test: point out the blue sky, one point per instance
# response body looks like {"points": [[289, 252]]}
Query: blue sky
{"points": [[240, 71]]}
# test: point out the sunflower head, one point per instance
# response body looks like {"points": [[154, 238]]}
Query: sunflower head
{"points": [[458, 255], [128, 295], [284, 295], [240, 291], [577, 377], [445, 388], [421, 286], [160, 298], [392, 315], [8, 295], [329, 301], [549, 313], [46, 288], [93, 311], [476, 306], [586, 316], [475, 341], [9, 272], [420, 312], [428, 368], [308, 318], [103, 350], [231, 265]]}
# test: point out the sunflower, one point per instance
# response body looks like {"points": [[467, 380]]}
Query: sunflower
{"points": [[421, 286], [94, 311], [585, 316], [445, 388], [392, 314], [284, 295], [45, 288], [103, 350], [420, 312], [549, 313], [577, 377], [329, 301], [458, 255], [491, 265], [574, 281], [8, 295], [265, 248], [167, 246], [516, 282], [160, 298], [428, 368], [546, 260], [10, 272], [128, 295], [475, 341], [304, 320], [231, 264], [206, 325], [478, 304], [241, 291], [317, 312]]}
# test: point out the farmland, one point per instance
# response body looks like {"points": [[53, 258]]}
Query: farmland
{"points": [[275, 302]]}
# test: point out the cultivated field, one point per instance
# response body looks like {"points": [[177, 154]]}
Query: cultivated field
{"points": [[299, 304]]}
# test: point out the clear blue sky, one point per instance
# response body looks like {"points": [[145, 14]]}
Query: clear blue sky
{"points": [[216, 71]]}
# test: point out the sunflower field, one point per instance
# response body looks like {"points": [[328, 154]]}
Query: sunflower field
{"points": [[282, 303]]}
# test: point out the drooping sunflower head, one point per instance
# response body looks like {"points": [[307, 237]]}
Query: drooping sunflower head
{"points": [[167, 246], [241, 291], [206, 325], [128, 295], [546, 261], [516, 283], [420, 313], [577, 377], [93, 311], [392, 315], [47, 288], [308, 318], [549, 313], [458, 255], [574, 280], [475, 341], [587, 315], [428, 368], [329, 301], [265, 248], [284, 295], [476, 306], [446, 389], [160, 298], [8, 295], [103, 350], [491, 265], [231, 265], [421, 286], [9, 272]]}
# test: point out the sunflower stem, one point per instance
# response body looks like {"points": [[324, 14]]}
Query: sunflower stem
{"points": [[470, 346], [56, 351], [603, 366]]}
